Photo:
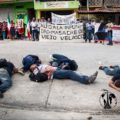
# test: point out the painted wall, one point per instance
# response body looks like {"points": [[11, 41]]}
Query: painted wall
{"points": [[18, 8]]}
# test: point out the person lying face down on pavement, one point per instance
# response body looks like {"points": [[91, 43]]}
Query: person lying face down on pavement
{"points": [[7, 70]]}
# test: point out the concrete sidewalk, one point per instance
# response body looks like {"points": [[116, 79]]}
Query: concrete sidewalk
{"points": [[59, 95]]}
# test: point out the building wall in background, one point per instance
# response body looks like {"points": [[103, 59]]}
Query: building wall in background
{"points": [[14, 9]]}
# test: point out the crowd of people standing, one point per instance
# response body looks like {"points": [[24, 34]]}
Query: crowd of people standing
{"points": [[14, 32], [100, 32], [91, 30], [34, 26]]}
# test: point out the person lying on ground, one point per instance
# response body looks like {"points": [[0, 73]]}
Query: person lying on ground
{"points": [[28, 61], [115, 82], [63, 62], [57, 73], [112, 70], [7, 69]]}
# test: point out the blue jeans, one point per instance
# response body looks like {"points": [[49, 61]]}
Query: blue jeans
{"points": [[59, 57], [69, 74], [34, 35], [109, 37], [5, 81], [112, 72], [88, 35]]}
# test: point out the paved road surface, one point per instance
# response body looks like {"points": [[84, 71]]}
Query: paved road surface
{"points": [[59, 99]]}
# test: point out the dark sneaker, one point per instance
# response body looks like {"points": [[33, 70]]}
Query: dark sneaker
{"points": [[93, 77], [1, 95], [101, 68]]}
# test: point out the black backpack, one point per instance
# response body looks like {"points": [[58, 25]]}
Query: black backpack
{"points": [[39, 77], [3, 63]]}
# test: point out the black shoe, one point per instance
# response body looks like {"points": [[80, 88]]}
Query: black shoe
{"points": [[110, 44], [1, 95], [93, 77]]}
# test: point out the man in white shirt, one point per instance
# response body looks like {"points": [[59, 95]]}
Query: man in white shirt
{"points": [[34, 29]]}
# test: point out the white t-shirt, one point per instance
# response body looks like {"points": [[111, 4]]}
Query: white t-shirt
{"points": [[41, 68], [33, 25], [97, 25]]}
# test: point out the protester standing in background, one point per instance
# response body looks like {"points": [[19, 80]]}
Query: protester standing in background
{"points": [[34, 29], [38, 30], [3, 30], [110, 32], [0, 30], [89, 31], [84, 30], [101, 34], [12, 30]]}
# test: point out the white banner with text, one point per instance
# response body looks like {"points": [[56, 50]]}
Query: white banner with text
{"points": [[63, 19], [59, 33]]}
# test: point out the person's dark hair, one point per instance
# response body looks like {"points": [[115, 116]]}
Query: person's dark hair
{"points": [[3, 62], [117, 83], [39, 77]]}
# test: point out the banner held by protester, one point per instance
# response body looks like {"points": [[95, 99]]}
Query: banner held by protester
{"points": [[63, 19], [59, 33]]}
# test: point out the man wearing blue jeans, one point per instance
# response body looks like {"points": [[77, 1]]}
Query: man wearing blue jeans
{"points": [[63, 62], [6, 72], [112, 70], [34, 29], [56, 73]]}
